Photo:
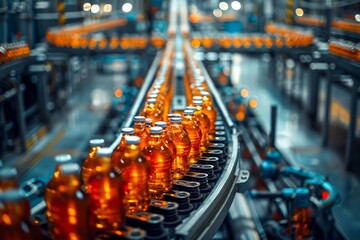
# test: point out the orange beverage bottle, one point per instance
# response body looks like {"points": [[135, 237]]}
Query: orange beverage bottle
{"points": [[50, 190], [159, 155], [151, 110], [8, 179], [15, 223], [148, 124], [204, 123], [167, 136], [302, 214], [192, 127], [140, 128], [119, 150], [135, 169], [106, 190], [210, 111], [181, 163], [70, 206], [87, 168]]}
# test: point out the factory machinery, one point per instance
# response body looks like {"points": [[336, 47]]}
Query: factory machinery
{"points": [[243, 187]]}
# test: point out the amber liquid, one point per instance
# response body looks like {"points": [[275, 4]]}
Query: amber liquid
{"points": [[194, 132], [135, 169], [181, 163], [159, 155], [117, 154], [15, 222], [152, 111], [87, 167], [106, 190], [49, 194], [8, 184], [141, 132], [204, 126], [302, 220], [70, 210], [210, 111]]}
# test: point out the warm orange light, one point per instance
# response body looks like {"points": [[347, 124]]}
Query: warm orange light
{"points": [[195, 43], [253, 103], [244, 93], [118, 92], [240, 116]]}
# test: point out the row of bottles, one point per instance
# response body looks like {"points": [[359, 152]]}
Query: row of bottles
{"points": [[344, 48], [12, 51], [270, 40], [340, 24]]}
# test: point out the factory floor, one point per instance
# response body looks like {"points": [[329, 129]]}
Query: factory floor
{"points": [[75, 126], [299, 139]]}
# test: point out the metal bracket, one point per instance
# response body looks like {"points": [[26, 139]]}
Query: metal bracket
{"points": [[242, 179]]}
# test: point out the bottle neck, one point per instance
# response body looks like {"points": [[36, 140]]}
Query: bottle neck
{"points": [[93, 150], [132, 150]]}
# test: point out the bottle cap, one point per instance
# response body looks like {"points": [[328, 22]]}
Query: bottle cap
{"points": [[302, 197], [151, 100], [153, 95], [157, 91], [204, 93], [97, 142], [104, 152], [197, 98], [171, 115], [8, 173], [62, 158], [176, 120], [156, 130], [198, 102], [190, 108], [13, 195], [161, 124], [69, 169], [139, 119], [188, 112], [201, 88], [132, 140], [148, 121], [127, 130]]}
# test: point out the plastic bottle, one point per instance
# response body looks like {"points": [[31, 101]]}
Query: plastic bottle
{"points": [[70, 206], [87, 167], [168, 138], [152, 111], [204, 124], [119, 150], [210, 111], [302, 214], [181, 163], [159, 155], [140, 129], [106, 190], [15, 223], [50, 190], [192, 127], [135, 169], [8, 179]]}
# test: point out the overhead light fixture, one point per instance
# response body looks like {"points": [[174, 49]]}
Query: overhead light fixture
{"points": [[217, 13], [127, 7], [236, 5], [357, 17], [107, 8], [299, 12], [95, 8], [223, 6], [87, 7]]}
